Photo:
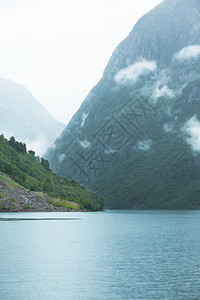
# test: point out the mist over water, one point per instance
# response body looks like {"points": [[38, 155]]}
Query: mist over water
{"points": [[103, 255]]}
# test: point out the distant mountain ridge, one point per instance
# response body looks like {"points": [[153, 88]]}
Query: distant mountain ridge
{"points": [[23, 117], [135, 141]]}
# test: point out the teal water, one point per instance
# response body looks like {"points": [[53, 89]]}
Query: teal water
{"points": [[104, 255]]}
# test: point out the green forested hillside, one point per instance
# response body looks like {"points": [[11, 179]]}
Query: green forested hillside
{"points": [[172, 183], [33, 173]]}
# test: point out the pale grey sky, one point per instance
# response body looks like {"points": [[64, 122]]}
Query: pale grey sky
{"points": [[58, 49]]}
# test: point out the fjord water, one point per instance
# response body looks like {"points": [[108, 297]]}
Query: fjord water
{"points": [[102, 255]]}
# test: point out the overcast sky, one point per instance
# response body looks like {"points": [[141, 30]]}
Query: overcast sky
{"points": [[58, 49]]}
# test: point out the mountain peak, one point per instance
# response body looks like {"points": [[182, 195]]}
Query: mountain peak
{"points": [[135, 139], [159, 34]]}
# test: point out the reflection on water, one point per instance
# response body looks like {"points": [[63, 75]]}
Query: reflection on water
{"points": [[38, 219], [104, 255]]}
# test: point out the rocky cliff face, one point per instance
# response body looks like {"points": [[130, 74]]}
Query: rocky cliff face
{"points": [[136, 138], [171, 26], [23, 117]]}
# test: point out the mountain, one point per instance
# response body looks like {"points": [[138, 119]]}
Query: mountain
{"points": [[27, 183], [23, 117], [135, 141]]}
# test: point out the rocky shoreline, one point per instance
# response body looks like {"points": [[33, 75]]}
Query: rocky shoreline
{"points": [[14, 198]]}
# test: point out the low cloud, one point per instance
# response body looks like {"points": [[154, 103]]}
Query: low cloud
{"points": [[187, 53], [61, 157], [132, 73], [39, 145], [162, 92], [83, 118], [192, 129], [52, 146], [110, 151], [168, 127], [145, 145], [85, 144]]}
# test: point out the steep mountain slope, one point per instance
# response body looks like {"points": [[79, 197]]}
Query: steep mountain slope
{"points": [[136, 138], [22, 116]]}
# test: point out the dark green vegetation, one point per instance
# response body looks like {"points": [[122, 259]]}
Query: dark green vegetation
{"points": [[14, 197], [129, 142], [33, 173]]}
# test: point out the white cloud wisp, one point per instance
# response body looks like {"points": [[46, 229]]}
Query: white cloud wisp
{"points": [[85, 144], [39, 145], [132, 73], [165, 91], [192, 129], [187, 53], [145, 145]]}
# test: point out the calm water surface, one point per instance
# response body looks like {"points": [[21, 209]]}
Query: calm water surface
{"points": [[104, 255]]}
